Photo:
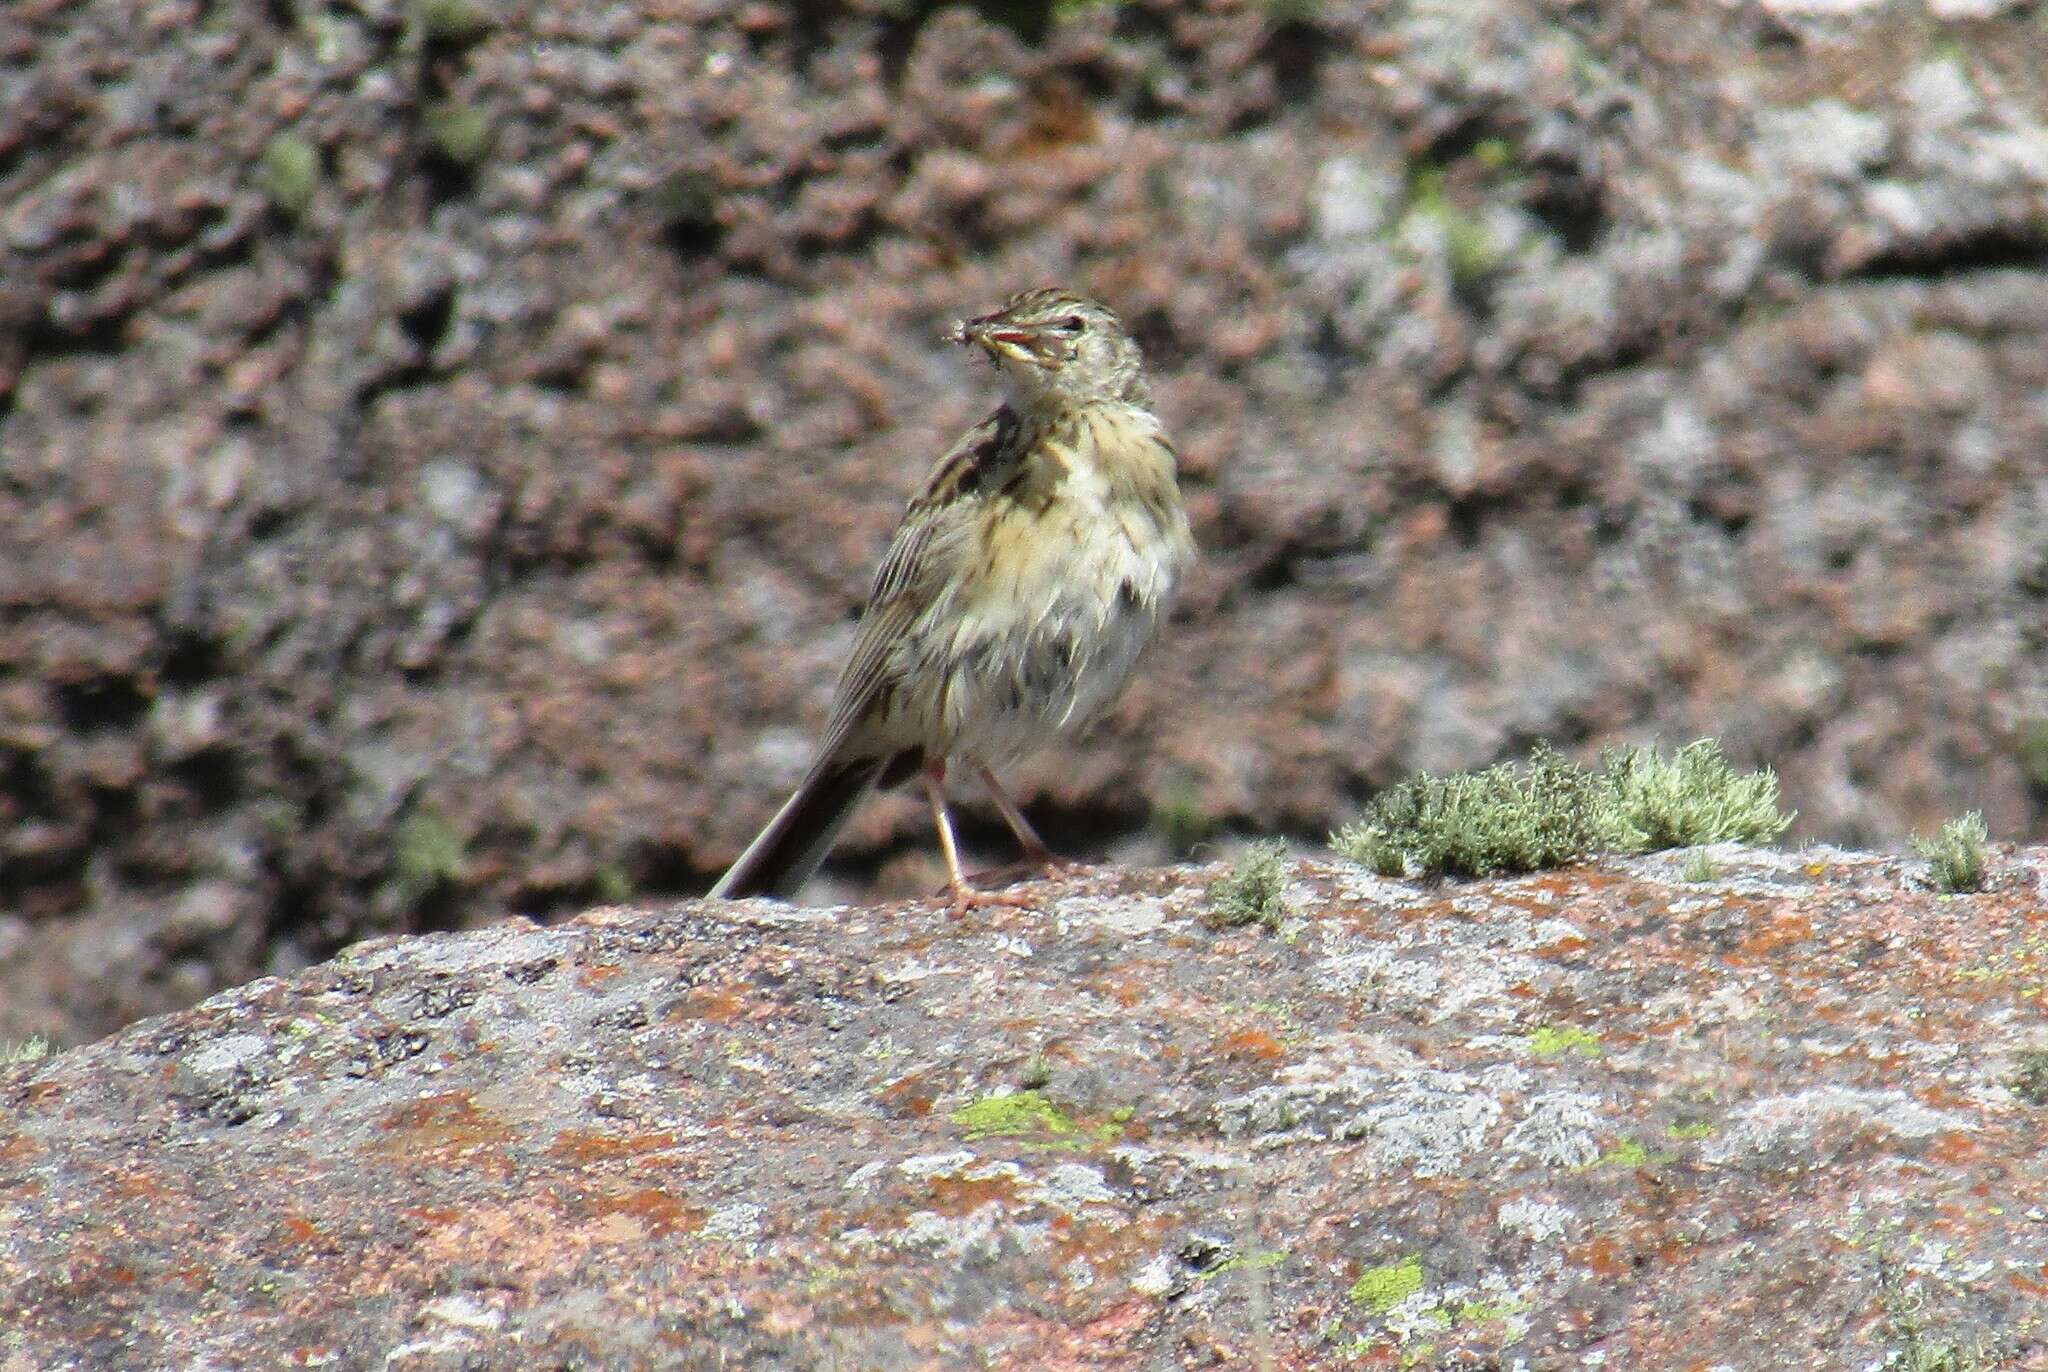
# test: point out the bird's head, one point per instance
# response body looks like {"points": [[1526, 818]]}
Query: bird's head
{"points": [[1053, 346]]}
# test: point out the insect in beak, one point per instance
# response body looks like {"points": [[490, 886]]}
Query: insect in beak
{"points": [[1020, 345]]}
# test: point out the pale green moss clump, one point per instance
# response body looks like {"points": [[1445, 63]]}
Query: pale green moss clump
{"points": [[28, 1050], [428, 853], [1524, 817], [1649, 801], [451, 21], [289, 173], [1955, 856], [1251, 894], [460, 132]]}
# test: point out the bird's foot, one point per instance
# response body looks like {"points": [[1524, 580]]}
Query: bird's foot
{"points": [[965, 897]]}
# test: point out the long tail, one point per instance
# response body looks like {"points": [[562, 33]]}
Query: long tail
{"points": [[785, 854]]}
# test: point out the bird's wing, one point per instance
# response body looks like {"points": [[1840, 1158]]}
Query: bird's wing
{"points": [[917, 567]]}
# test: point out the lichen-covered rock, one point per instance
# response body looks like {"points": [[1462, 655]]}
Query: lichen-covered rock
{"points": [[1786, 1117]]}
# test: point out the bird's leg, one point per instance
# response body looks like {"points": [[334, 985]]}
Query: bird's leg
{"points": [[965, 897], [1036, 850]]}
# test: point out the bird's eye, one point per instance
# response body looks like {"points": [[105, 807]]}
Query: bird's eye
{"points": [[1073, 323]]}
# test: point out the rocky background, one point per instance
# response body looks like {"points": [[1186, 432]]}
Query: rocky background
{"points": [[443, 444]]}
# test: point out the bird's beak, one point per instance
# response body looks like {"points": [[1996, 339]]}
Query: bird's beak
{"points": [[1017, 345]]}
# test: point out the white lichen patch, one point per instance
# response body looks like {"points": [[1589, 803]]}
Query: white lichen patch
{"points": [[739, 1222], [1356, 886], [863, 1177], [1792, 1121], [464, 1312], [1547, 933], [1558, 1130], [937, 1164], [1124, 917], [1158, 1277], [1535, 1220], [1426, 1126], [225, 1056], [1429, 980], [1069, 1187]]}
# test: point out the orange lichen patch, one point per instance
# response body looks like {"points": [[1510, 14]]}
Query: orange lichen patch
{"points": [[964, 1195], [1777, 932], [657, 1212], [1251, 1045], [1602, 1256], [1125, 991], [1562, 947], [593, 975], [300, 1228], [150, 1184], [20, 1148], [712, 1004], [438, 1130], [1954, 1148], [910, 1096], [586, 1145], [1943, 1096]]}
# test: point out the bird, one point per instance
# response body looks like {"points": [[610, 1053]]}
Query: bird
{"points": [[1014, 597]]}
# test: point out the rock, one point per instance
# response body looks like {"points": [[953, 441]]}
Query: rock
{"points": [[1603, 1115]]}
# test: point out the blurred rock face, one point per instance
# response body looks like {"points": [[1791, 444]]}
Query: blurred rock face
{"points": [[442, 448]]}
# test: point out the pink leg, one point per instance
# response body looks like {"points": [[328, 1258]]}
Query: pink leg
{"points": [[1036, 850], [964, 896]]}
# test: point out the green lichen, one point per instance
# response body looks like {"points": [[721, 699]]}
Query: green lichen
{"points": [[28, 1050], [1509, 818], [1649, 801], [460, 132], [2030, 748], [1917, 1344], [1549, 1040], [1522, 817], [1482, 1312], [1627, 1154], [450, 21], [427, 853], [1251, 894], [1258, 1260], [1494, 154], [1380, 1289], [1469, 249], [1955, 856], [1699, 867], [2029, 1080], [1181, 822], [614, 883], [1010, 1114], [1698, 1130], [289, 174]]}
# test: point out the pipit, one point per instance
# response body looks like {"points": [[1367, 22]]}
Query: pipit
{"points": [[1015, 594]]}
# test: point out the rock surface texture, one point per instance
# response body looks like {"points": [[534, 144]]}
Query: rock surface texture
{"points": [[1783, 1118], [443, 443]]}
